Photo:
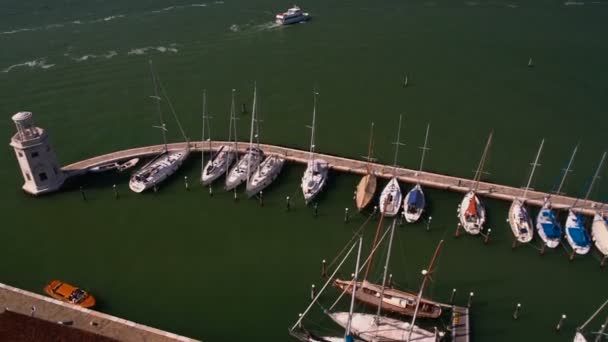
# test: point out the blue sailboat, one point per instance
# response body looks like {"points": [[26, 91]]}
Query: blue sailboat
{"points": [[414, 203], [548, 228], [576, 234]]}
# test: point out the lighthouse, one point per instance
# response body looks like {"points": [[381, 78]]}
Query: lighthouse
{"points": [[36, 157]]}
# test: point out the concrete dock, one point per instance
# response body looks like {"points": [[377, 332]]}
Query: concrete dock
{"points": [[428, 179], [460, 324], [31, 304]]}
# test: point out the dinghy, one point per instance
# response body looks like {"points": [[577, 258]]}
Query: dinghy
{"points": [[391, 197], [315, 175]]}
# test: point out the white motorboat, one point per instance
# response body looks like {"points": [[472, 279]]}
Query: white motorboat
{"points": [[156, 171], [390, 198], [244, 168], [265, 174], [520, 222], [472, 213], [218, 164], [547, 226], [599, 232], [167, 162], [315, 175], [414, 204], [576, 234], [292, 16], [372, 328]]}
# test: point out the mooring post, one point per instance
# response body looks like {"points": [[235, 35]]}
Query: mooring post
{"points": [[313, 292], [514, 244], [452, 296], [355, 195], [155, 188], [571, 256], [315, 209], [287, 204], [243, 109], [486, 238], [210, 191], [261, 197], [115, 191], [390, 281], [542, 249], [428, 223], [345, 215], [516, 312], [603, 261], [470, 299], [323, 269], [375, 209], [300, 320], [186, 183], [84, 196], [561, 322], [236, 198], [457, 234]]}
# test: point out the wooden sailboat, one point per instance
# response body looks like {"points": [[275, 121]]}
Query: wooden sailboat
{"points": [[220, 160], [519, 219], [414, 202], [576, 233], [547, 225], [167, 162], [471, 211], [315, 175], [580, 333], [391, 197], [367, 185], [268, 170]]}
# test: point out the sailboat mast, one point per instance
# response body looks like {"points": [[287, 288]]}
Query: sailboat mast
{"points": [[371, 257], [561, 183], [482, 162], [427, 274], [388, 257], [424, 148], [370, 148], [533, 168], [233, 120], [158, 107], [595, 176], [203, 133], [352, 299], [312, 133], [397, 143], [250, 152]]}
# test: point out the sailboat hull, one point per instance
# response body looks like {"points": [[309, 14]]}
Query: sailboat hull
{"points": [[267, 172], [365, 191], [314, 179], [243, 169], [395, 301], [390, 198], [157, 171], [520, 222], [576, 235], [217, 165], [547, 226], [599, 233], [413, 211], [367, 327], [472, 222]]}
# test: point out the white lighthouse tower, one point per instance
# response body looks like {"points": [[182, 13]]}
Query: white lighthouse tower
{"points": [[36, 158]]}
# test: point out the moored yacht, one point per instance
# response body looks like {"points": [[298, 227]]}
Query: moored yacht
{"points": [[472, 213], [265, 174], [218, 164], [315, 175], [520, 221], [292, 16], [576, 234], [599, 232], [414, 204], [391, 197], [157, 170], [547, 226], [244, 168]]}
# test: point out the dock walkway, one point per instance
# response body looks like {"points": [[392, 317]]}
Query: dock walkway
{"points": [[428, 179], [460, 324]]}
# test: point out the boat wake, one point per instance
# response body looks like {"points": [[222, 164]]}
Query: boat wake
{"points": [[163, 49], [86, 57], [267, 26], [36, 63]]}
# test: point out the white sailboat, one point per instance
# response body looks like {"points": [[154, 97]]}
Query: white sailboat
{"points": [[391, 197], [580, 334], [549, 229], [220, 160], [167, 162], [599, 232], [315, 175], [267, 171], [471, 211], [248, 163], [414, 202], [576, 233], [519, 219]]}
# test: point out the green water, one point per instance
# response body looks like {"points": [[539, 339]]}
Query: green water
{"points": [[217, 270]]}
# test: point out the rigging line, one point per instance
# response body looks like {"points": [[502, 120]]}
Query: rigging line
{"points": [[158, 106], [592, 316], [359, 270], [355, 236], [179, 124]]}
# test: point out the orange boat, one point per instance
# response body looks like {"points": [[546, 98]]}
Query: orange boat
{"points": [[69, 294]]}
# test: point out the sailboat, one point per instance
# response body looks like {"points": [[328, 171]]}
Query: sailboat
{"points": [[549, 229], [580, 336], [367, 185], [519, 219], [389, 299], [376, 327], [414, 203], [599, 232], [167, 162], [267, 171], [315, 175], [471, 212], [391, 197], [576, 234], [220, 160], [248, 163]]}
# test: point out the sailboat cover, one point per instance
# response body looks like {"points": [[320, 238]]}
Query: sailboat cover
{"points": [[549, 224], [416, 199]]}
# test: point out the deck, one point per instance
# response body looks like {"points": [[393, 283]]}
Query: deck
{"points": [[428, 179], [460, 324]]}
